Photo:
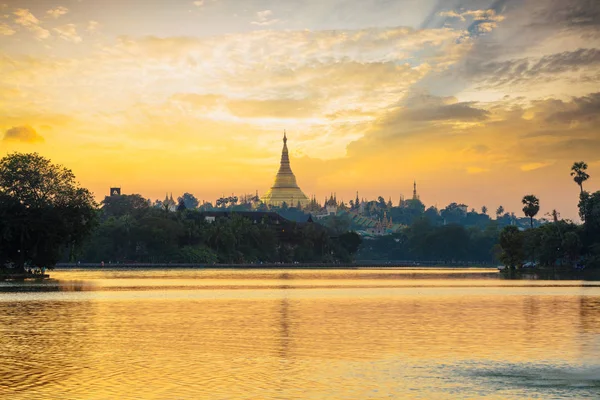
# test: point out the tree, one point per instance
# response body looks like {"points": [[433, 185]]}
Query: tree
{"points": [[589, 210], [532, 206], [190, 201], [578, 173], [181, 206], [512, 245], [454, 213], [117, 206], [44, 210], [499, 212], [484, 210], [350, 241]]}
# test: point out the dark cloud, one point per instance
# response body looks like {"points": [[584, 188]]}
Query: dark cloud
{"points": [[581, 109], [456, 112], [569, 13], [422, 106], [499, 73], [22, 134], [479, 149]]}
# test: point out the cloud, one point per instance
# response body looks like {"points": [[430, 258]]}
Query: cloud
{"points": [[57, 12], [476, 170], [277, 108], [23, 133], [459, 111], [482, 21], [419, 105], [533, 166], [476, 15], [198, 100], [28, 20], [264, 18], [451, 14], [528, 69], [25, 18], [93, 26], [6, 30], [584, 109], [569, 13], [68, 32]]}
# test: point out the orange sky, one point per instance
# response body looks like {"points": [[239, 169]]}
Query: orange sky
{"points": [[481, 102]]}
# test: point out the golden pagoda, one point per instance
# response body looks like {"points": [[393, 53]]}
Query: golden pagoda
{"points": [[285, 189]]}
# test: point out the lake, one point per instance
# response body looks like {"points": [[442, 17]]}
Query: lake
{"points": [[298, 334]]}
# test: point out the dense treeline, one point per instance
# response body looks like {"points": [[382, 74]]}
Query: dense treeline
{"points": [[424, 241], [46, 217], [558, 244], [132, 231]]}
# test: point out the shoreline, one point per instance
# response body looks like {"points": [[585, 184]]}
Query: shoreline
{"points": [[323, 266]]}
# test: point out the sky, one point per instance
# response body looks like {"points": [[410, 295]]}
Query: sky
{"points": [[480, 101]]}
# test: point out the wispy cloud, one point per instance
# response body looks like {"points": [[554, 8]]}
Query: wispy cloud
{"points": [[6, 30], [25, 18], [93, 26], [57, 12], [263, 18], [68, 32]]}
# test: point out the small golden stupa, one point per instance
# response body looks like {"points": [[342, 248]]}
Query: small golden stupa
{"points": [[285, 189]]}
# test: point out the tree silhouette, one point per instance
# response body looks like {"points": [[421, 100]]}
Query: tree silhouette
{"points": [[484, 210], [578, 173], [532, 206], [499, 212], [189, 200], [43, 211]]}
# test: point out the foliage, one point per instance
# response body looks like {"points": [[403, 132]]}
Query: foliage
{"points": [[532, 206], [423, 240], [499, 211], [559, 243], [186, 236], [453, 213], [43, 211], [118, 206], [578, 173], [589, 210], [512, 244], [189, 200]]}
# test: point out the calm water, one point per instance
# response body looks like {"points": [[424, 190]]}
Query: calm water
{"points": [[395, 334]]}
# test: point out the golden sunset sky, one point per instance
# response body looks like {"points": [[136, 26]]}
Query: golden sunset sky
{"points": [[481, 102]]}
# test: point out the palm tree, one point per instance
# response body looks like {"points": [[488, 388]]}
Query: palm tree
{"points": [[499, 212], [578, 173], [484, 210], [532, 206]]}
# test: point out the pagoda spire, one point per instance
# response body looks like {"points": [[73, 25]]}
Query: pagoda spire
{"points": [[284, 165], [415, 196], [285, 189]]}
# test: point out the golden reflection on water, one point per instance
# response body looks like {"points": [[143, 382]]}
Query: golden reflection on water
{"points": [[292, 339]]}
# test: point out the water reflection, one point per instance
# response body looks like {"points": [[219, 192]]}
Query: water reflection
{"points": [[42, 343], [299, 337]]}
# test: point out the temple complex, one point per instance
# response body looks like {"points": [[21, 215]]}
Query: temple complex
{"points": [[285, 189]]}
